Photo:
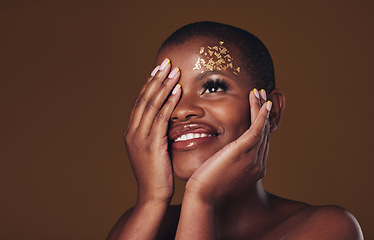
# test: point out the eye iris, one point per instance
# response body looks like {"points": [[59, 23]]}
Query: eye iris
{"points": [[214, 86], [212, 89]]}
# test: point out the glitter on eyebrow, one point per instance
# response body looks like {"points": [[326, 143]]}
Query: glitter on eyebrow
{"points": [[217, 58]]}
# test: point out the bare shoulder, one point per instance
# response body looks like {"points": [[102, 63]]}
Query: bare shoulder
{"points": [[324, 222], [167, 229], [119, 224]]}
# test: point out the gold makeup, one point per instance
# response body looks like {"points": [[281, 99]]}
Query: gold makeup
{"points": [[215, 58]]}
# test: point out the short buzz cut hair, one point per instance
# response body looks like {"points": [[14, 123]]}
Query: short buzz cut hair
{"points": [[254, 55]]}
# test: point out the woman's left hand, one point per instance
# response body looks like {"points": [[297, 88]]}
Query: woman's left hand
{"points": [[238, 165]]}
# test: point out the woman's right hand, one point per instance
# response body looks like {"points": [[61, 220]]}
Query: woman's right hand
{"points": [[146, 135]]}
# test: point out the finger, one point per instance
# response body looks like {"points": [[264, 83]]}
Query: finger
{"points": [[255, 133], [157, 101], [259, 166], [263, 150], [153, 73], [160, 124], [263, 96], [266, 150], [150, 89], [254, 103]]}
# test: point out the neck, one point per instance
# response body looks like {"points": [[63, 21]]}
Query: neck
{"points": [[248, 212]]}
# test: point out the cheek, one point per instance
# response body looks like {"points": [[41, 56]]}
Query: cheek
{"points": [[233, 114]]}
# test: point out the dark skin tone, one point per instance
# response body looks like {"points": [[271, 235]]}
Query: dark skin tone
{"points": [[224, 197]]}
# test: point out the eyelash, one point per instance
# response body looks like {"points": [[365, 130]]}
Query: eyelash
{"points": [[215, 85]]}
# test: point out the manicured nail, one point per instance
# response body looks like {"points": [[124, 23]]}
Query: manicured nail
{"points": [[263, 94], [153, 73], [256, 93], [164, 63], [268, 105], [174, 72], [176, 89]]}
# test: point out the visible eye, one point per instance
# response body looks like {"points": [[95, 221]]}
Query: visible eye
{"points": [[217, 85]]}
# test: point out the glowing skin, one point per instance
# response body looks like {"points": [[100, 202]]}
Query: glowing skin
{"points": [[215, 58], [213, 109]]}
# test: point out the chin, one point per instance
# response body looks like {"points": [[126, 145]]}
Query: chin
{"points": [[184, 175], [185, 163], [184, 169]]}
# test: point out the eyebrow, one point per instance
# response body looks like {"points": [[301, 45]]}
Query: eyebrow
{"points": [[209, 73]]}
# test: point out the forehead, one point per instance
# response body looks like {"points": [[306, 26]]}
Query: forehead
{"points": [[199, 55]]}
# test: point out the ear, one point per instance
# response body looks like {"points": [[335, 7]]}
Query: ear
{"points": [[279, 104]]}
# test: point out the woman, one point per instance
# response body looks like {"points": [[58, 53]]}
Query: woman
{"points": [[201, 116]]}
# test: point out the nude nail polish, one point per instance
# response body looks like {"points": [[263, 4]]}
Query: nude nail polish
{"points": [[256, 93], [153, 73], [176, 89], [269, 104], [174, 72], [263, 94], [164, 64]]}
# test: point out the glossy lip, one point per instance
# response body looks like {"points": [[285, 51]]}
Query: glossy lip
{"points": [[194, 128]]}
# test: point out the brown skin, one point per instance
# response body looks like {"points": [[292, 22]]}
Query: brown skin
{"points": [[224, 197]]}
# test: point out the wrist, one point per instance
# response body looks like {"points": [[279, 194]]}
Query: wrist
{"points": [[154, 201], [151, 207], [197, 199], [152, 197]]}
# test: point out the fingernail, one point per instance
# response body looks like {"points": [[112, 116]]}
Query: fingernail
{"points": [[263, 94], [176, 89], [173, 73], [164, 63], [256, 93], [153, 73], [268, 105]]}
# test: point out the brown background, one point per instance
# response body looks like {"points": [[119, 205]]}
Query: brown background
{"points": [[70, 71]]}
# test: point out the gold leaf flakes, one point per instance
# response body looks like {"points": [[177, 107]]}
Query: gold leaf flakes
{"points": [[216, 58], [197, 65]]}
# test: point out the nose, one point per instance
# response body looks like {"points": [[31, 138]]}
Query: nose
{"points": [[187, 108]]}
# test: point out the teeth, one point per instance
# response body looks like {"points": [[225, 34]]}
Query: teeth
{"points": [[190, 136]]}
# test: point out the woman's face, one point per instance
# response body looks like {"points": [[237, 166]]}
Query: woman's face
{"points": [[213, 109]]}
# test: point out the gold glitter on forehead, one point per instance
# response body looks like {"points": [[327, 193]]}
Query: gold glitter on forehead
{"points": [[215, 58]]}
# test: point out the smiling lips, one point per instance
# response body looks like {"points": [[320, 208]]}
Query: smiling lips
{"points": [[189, 136]]}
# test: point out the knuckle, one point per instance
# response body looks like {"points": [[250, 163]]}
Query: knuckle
{"points": [[161, 117], [149, 106], [164, 85], [140, 100], [128, 133], [128, 138]]}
